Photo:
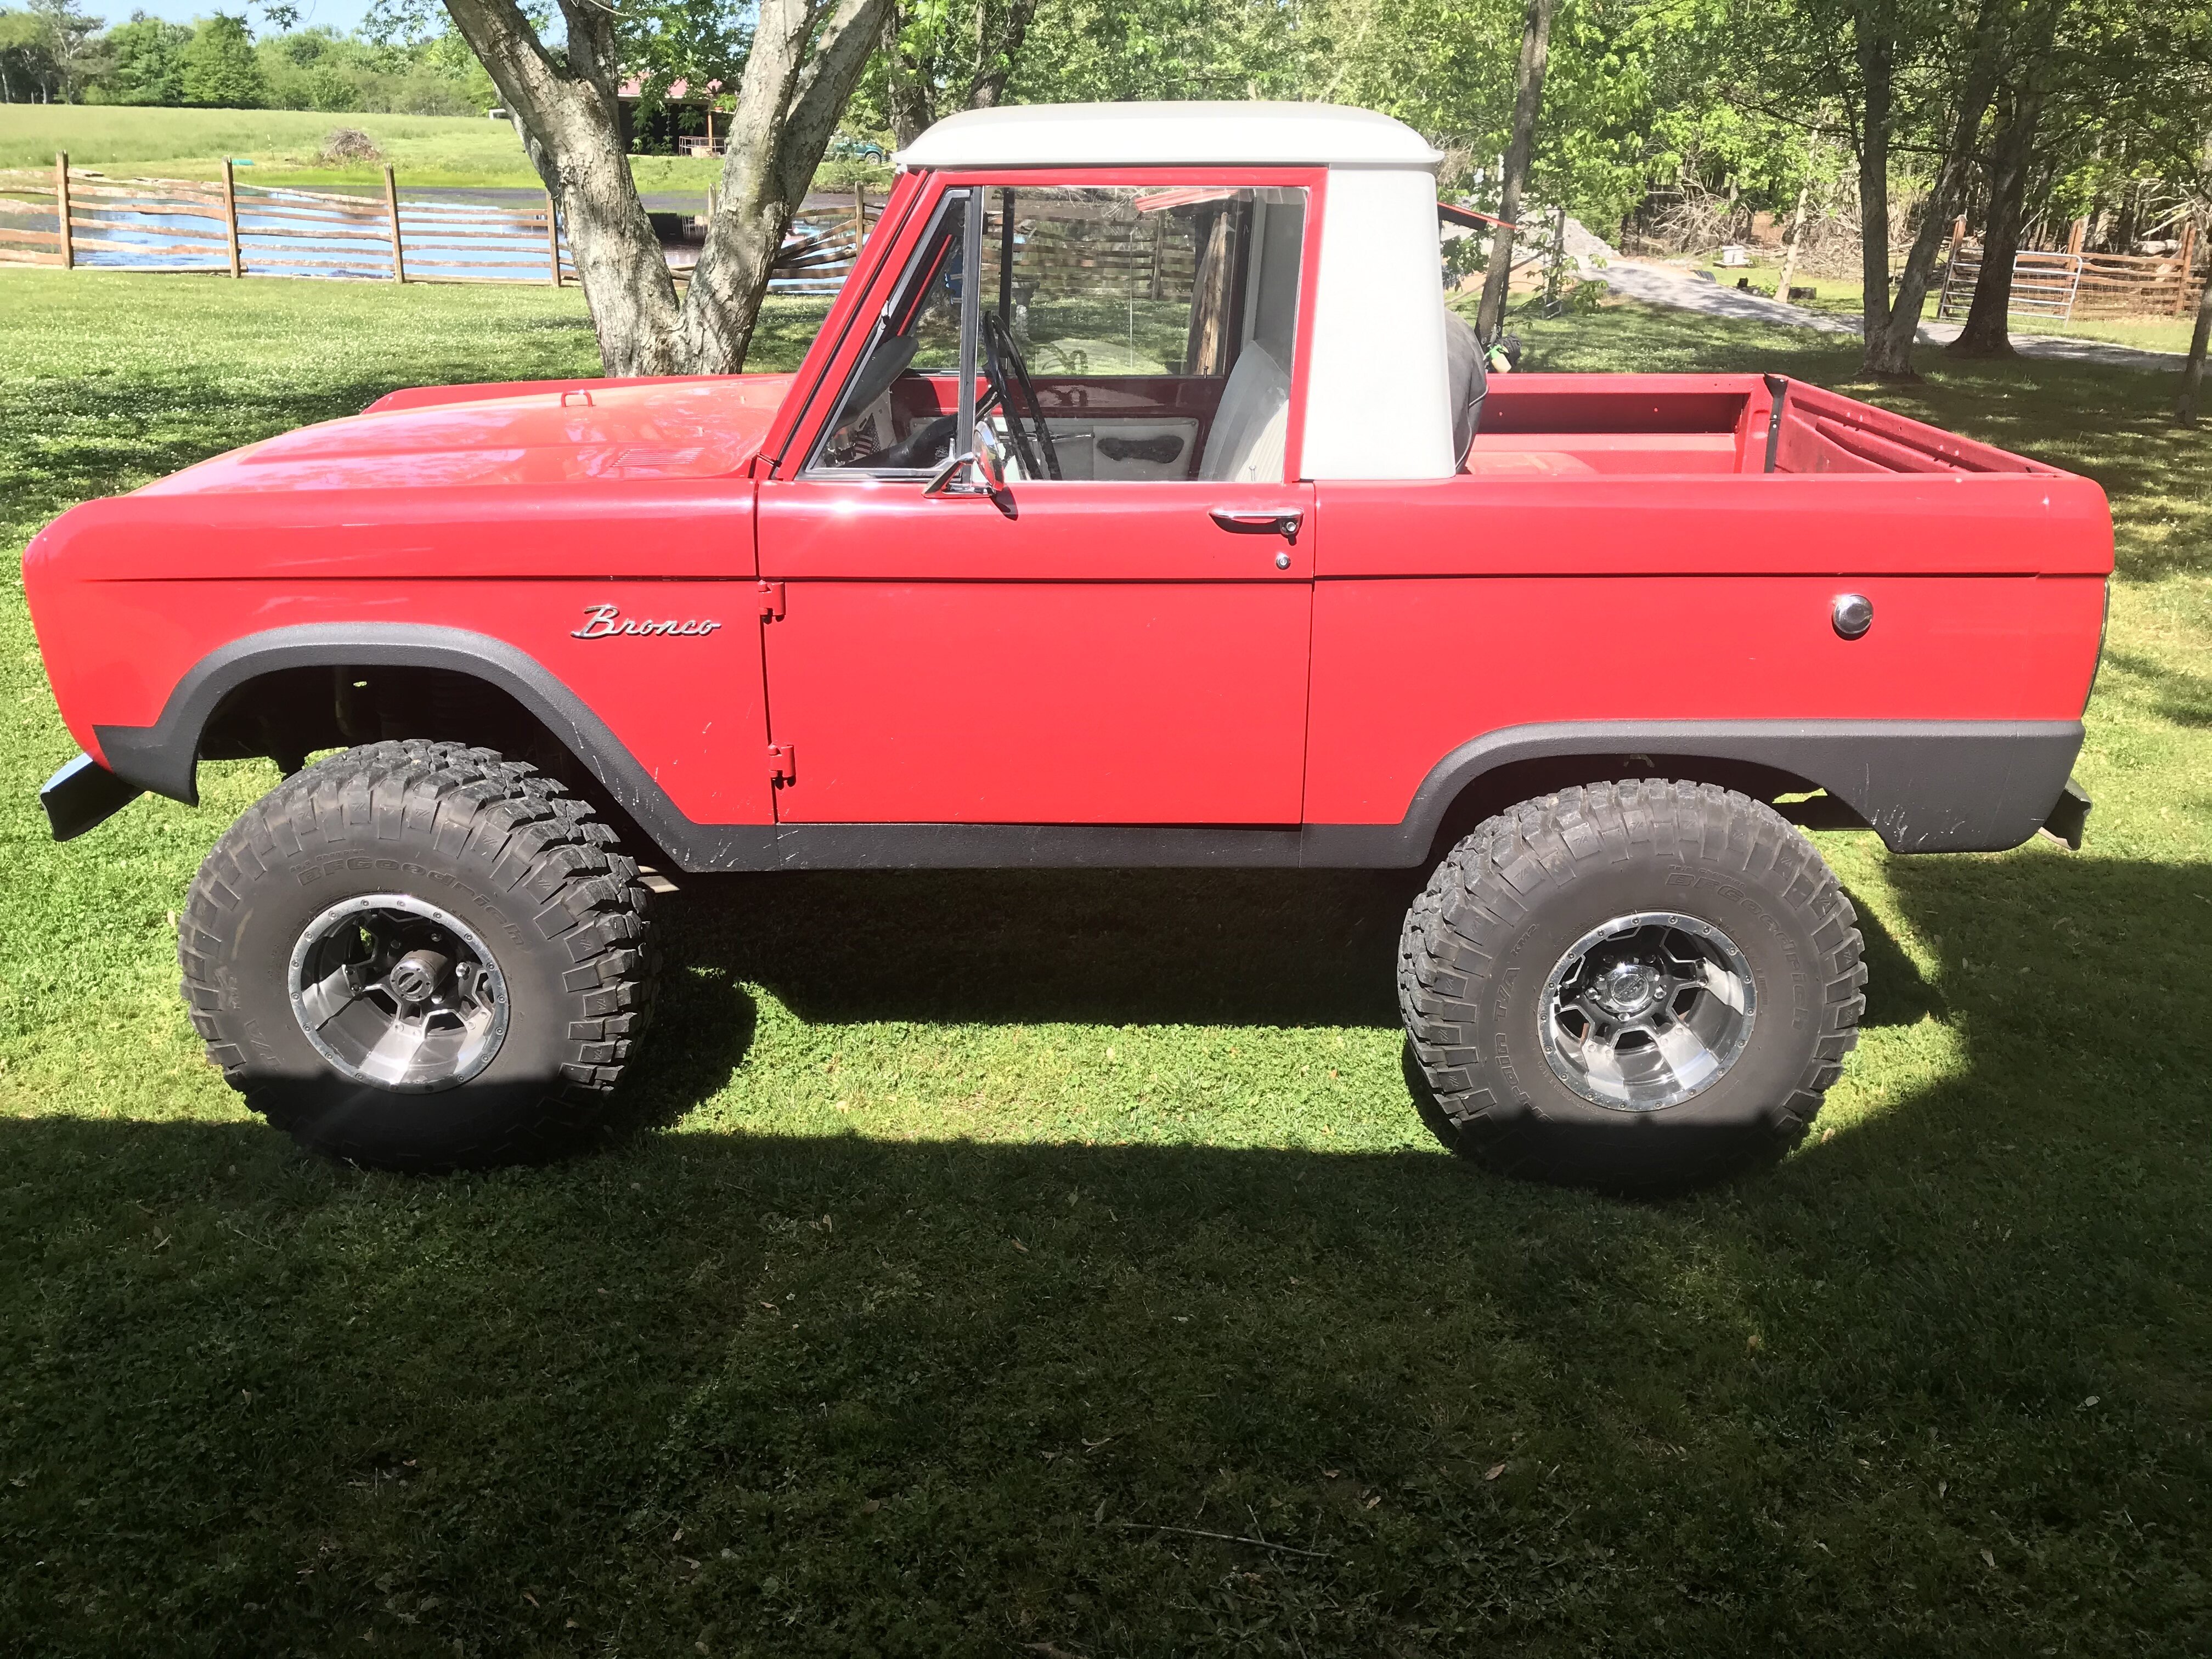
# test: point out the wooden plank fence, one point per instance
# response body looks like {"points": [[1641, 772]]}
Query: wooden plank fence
{"points": [[2076, 283], [78, 219]]}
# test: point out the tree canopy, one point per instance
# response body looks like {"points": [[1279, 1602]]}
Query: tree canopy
{"points": [[1680, 121]]}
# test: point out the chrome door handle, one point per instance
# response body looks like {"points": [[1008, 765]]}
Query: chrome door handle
{"points": [[1282, 521]]}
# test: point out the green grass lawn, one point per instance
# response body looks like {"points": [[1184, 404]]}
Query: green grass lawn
{"points": [[1845, 298], [988, 1242], [424, 151], [191, 143]]}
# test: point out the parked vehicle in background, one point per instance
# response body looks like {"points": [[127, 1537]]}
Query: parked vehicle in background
{"points": [[1137, 505]]}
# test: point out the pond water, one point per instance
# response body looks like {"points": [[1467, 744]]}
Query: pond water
{"points": [[302, 233]]}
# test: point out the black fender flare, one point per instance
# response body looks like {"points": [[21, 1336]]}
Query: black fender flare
{"points": [[1922, 786], [164, 757]]}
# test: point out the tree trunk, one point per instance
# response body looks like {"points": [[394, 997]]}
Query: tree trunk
{"points": [[995, 64], [798, 77], [1877, 53], [2186, 403], [1987, 333], [1889, 353], [1796, 240], [568, 123], [906, 84], [1527, 104]]}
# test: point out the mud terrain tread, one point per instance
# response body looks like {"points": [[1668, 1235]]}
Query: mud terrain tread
{"points": [[521, 831], [1494, 876]]}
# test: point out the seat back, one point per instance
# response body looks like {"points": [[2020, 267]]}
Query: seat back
{"points": [[1468, 379], [1249, 428]]}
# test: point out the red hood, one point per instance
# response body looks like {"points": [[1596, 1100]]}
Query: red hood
{"points": [[531, 432]]}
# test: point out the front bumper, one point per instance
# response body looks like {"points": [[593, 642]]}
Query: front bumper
{"points": [[84, 794]]}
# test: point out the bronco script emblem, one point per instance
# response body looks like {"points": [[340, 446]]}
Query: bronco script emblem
{"points": [[607, 620]]}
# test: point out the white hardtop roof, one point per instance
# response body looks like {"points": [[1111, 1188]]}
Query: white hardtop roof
{"points": [[1253, 134]]}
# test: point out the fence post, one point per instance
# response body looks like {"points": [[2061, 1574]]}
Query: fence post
{"points": [[859, 217], [553, 237], [2188, 266], [61, 208], [391, 206], [2077, 235], [230, 218]]}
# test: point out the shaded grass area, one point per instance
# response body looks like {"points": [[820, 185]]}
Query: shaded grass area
{"points": [[987, 1240]]}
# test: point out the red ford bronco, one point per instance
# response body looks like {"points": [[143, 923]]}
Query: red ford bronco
{"points": [[1137, 505]]}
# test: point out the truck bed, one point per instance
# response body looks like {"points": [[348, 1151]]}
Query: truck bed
{"points": [[1618, 548], [1568, 425]]}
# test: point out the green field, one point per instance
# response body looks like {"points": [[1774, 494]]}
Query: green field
{"points": [[424, 151], [986, 1243]]}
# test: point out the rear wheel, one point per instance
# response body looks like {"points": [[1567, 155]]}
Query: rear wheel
{"points": [[420, 956], [1632, 986]]}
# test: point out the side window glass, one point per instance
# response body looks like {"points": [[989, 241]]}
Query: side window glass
{"points": [[1124, 332], [889, 419]]}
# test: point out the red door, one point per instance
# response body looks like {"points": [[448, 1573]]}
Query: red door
{"points": [[1108, 652]]}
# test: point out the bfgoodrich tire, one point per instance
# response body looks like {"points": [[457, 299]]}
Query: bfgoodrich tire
{"points": [[416, 956], [1631, 986]]}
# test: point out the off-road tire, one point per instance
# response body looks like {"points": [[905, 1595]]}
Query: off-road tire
{"points": [[493, 842], [1513, 896]]}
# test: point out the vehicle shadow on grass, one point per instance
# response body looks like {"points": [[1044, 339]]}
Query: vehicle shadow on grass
{"points": [[836, 1395], [1180, 947], [1127, 947]]}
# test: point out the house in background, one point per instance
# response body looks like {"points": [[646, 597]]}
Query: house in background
{"points": [[684, 122]]}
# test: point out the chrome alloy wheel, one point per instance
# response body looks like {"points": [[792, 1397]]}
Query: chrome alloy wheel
{"points": [[1647, 1011], [393, 991]]}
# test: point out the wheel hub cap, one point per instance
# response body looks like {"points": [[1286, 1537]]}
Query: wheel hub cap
{"points": [[1647, 1011], [1626, 988], [394, 991]]}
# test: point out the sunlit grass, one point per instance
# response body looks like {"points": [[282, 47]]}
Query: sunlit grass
{"points": [[285, 148], [1845, 296]]}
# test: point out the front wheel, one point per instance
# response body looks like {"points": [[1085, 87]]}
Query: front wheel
{"points": [[419, 956], [1630, 986]]}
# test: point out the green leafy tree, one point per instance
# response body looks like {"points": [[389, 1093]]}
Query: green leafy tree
{"points": [[145, 62], [1099, 50], [28, 71], [49, 52], [219, 69], [939, 56], [700, 45]]}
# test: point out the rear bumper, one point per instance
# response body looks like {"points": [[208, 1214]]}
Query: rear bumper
{"points": [[83, 794]]}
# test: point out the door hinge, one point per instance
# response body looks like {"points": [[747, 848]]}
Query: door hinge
{"points": [[771, 601], [783, 763]]}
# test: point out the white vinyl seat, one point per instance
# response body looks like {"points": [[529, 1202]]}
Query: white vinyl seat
{"points": [[1246, 443]]}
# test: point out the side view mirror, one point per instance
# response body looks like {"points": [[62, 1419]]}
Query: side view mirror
{"points": [[975, 472], [988, 467]]}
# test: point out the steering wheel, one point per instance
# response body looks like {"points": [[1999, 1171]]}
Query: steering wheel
{"points": [[999, 348]]}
